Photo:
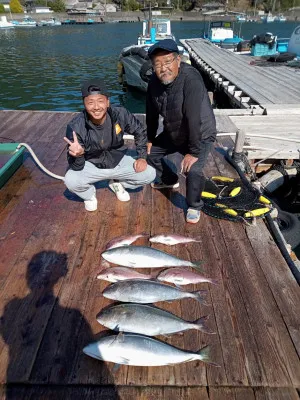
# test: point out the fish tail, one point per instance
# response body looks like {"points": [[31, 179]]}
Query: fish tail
{"points": [[214, 281], [200, 324], [197, 265], [200, 295], [204, 355]]}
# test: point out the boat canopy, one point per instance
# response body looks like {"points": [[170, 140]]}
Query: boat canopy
{"points": [[162, 27]]}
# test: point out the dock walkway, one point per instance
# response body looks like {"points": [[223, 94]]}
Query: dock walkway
{"points": [[49, 258], [248, 84]]}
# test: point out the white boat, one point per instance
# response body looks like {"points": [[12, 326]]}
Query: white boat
{"points": [[135, 68], [49, 22], [26, 22], [241, 18], [280, 18], [294, 42], [4, 24], [268, 18]]}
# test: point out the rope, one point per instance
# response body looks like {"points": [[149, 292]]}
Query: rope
{"points": [[39, 163]]}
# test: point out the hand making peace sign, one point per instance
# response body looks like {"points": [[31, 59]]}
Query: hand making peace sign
{"points": [[75, 149]]}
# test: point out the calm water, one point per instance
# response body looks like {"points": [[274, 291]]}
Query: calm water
{"points": [[41, 68]]}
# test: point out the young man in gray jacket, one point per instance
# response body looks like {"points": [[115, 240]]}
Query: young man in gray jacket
{"points": [[177, 93], [96, 148]]}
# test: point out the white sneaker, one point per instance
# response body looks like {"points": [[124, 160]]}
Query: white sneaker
{"points": [[91, 205], [119, 191]]}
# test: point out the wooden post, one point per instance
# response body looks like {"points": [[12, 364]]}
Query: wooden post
{"points": [[237, 154], [239, 141]]}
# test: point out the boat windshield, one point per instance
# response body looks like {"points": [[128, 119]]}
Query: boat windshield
{"points": [[221, 24]]}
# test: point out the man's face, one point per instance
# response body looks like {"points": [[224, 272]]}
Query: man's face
{"points": [[96, 106], [166, 66]]}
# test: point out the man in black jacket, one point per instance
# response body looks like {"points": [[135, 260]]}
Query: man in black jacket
{"points": [[96, 148], [177, 93]]}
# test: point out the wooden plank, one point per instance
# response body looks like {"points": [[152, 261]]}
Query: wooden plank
{"points": [[281, 281], [27, 309], [191, 311], [275, 347], [237, 341], [226, 393], [276, 394], [80, 289], [162, 222], [229, 66], [225, 124]]}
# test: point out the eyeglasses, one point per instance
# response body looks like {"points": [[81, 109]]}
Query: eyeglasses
{"points": [[166, 64]]}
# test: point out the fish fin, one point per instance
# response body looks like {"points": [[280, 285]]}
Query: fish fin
{"points": [[200, 296], [120, 337], [205, 356], [178, 286], [167, 336], [201, 325]]}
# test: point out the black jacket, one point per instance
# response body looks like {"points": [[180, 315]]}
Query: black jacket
{"points": [[185, 107], [122, 121]]}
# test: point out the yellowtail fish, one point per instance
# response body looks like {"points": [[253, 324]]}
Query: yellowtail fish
{"points": [[144, 351], [144, 257], [147, 320], [146, 292]]}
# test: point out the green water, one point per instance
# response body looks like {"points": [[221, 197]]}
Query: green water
{"points": [[41, 68]]}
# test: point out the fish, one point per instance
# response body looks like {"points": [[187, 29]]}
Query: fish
{"points": [[115, 274], [144, 257], [141, 291], [144, 351], [182, 276], [124, 240], [147, 320], [171, 240]]}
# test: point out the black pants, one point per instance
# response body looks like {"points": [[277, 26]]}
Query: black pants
{"points": [[195, 180]]}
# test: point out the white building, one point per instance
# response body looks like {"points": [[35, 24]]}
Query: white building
{"points": [[41, 10]]}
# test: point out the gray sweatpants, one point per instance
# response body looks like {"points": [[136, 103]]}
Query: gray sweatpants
{"points": [[81, 182]]}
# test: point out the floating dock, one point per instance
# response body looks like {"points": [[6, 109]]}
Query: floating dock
{"points": [[267, 97], [248, 81], [50, 255]]}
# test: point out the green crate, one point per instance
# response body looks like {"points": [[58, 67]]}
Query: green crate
{"points": [[10, 160]]}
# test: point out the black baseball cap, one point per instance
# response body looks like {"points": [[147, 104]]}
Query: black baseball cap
{"points": [[93, 86], [166, 44]]}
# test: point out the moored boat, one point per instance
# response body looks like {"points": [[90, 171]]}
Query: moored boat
{"points": [[221, 33], [4, 24], [26, 22], [135, 68]]}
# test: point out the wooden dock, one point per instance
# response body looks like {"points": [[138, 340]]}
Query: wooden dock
{"points": [[248, 82], [49, 258]]}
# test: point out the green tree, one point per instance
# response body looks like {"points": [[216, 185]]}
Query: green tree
{"points": [[2, 9], [15, 6], [57, 6], [130, 5]]}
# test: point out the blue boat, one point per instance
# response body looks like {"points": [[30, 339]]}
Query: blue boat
{"points": [[221, 33]]}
